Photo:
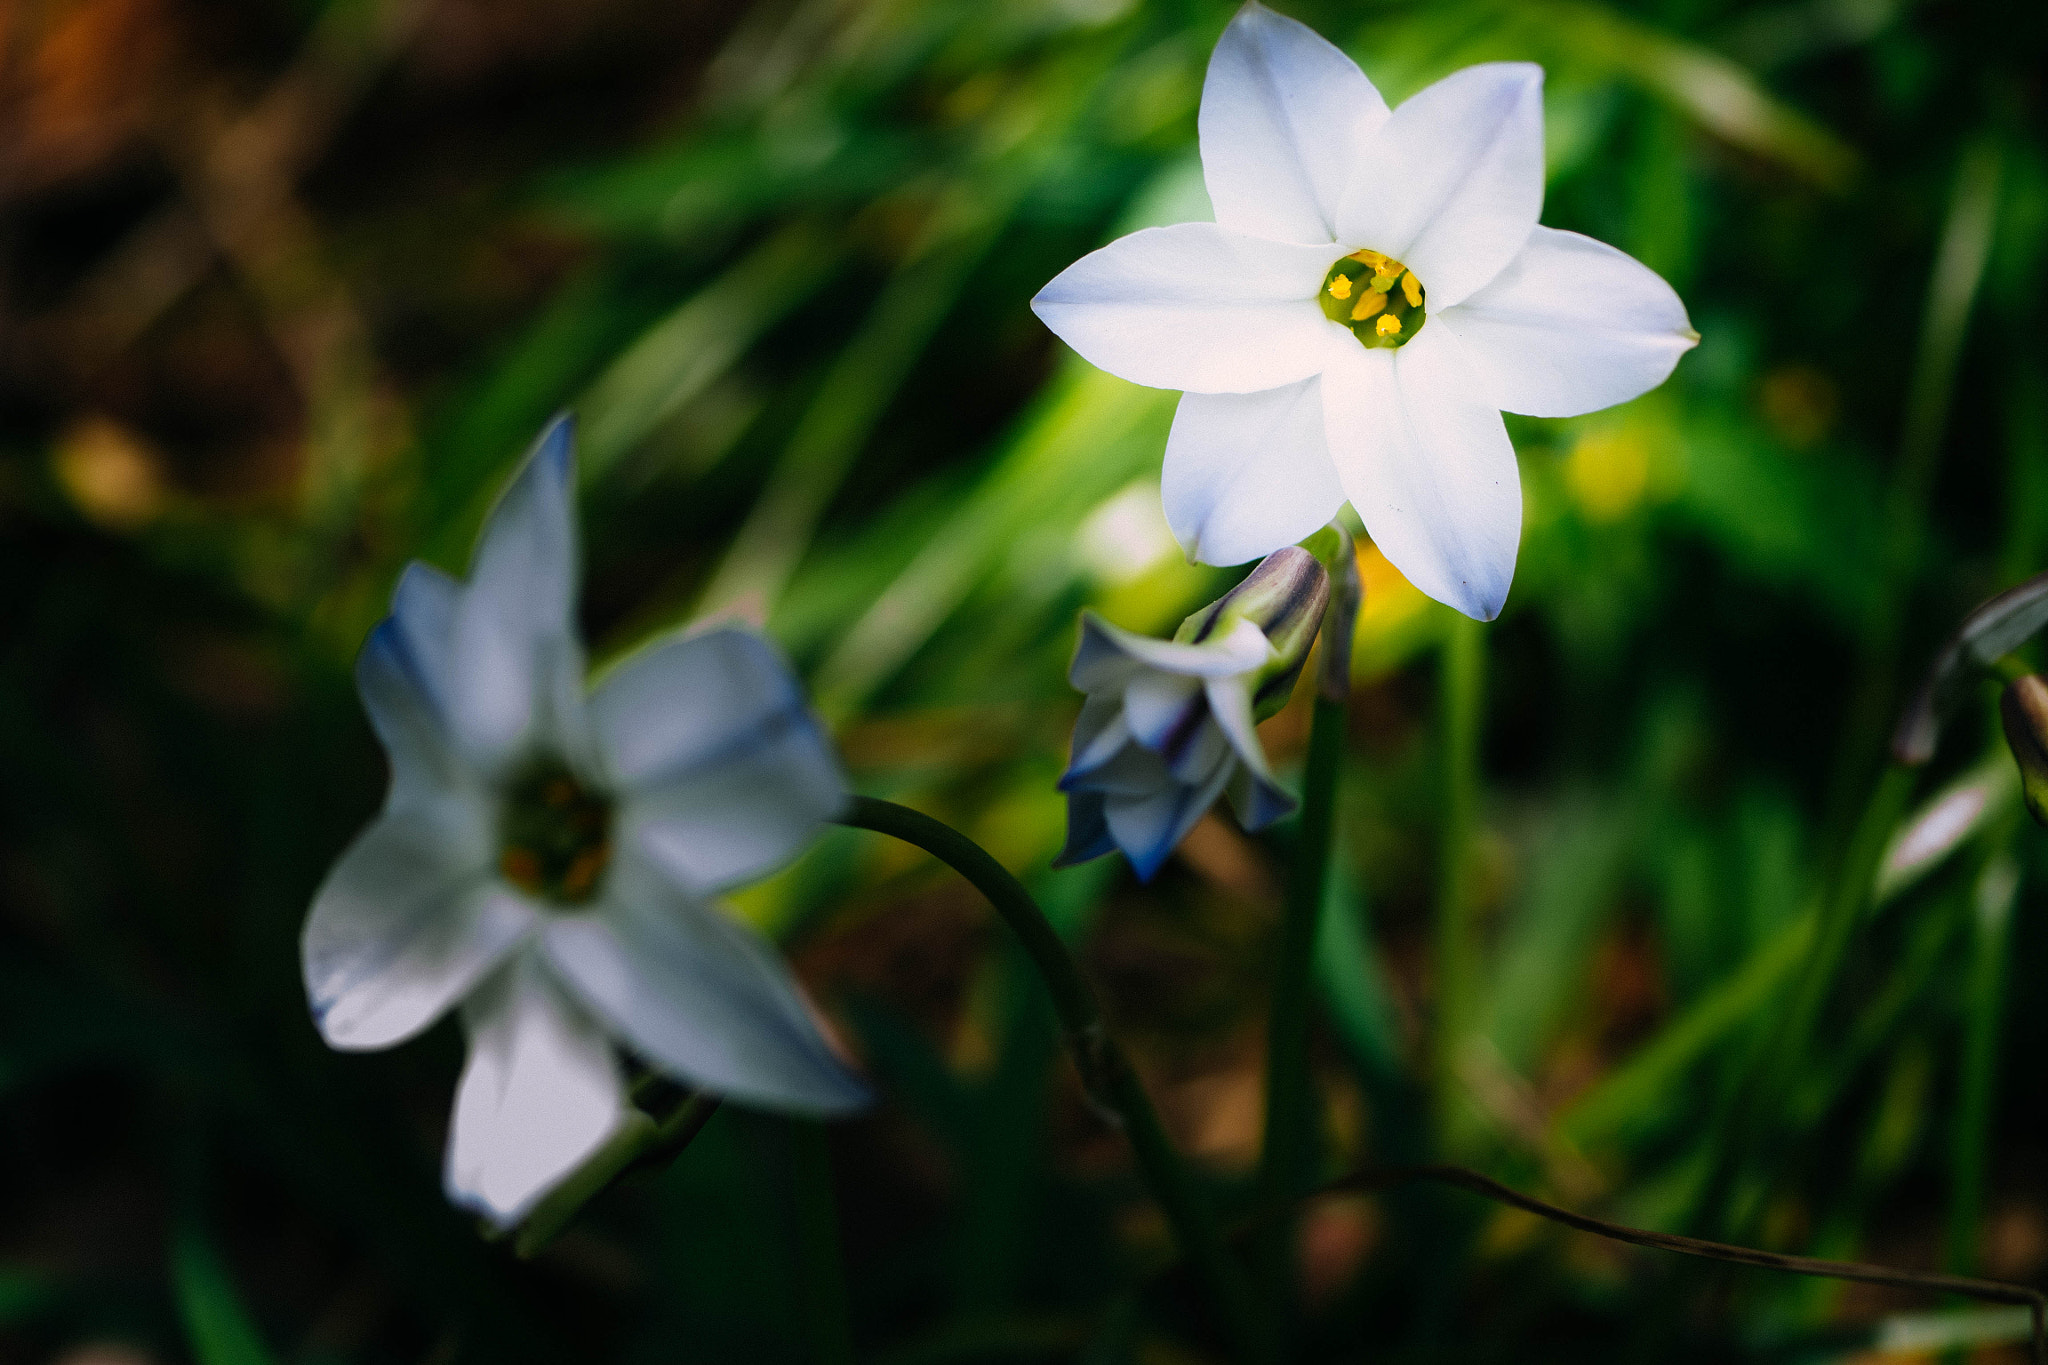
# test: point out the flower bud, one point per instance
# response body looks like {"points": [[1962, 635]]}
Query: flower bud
{"points": [[2023, 707], [1284, 597]]}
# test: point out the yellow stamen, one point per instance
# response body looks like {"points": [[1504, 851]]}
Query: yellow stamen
{"points": [[1367, 256], [1383, 282], [1340, 286], [1368, 304], [1411, 288], [1388, 325]]}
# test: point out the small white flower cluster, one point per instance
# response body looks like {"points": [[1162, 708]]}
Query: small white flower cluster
{"points": [[1375, 290]]}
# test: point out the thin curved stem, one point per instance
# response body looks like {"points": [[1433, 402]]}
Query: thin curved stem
{"points": [[1105, 1071], [1367, 1179]]}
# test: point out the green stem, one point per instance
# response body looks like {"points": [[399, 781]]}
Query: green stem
{"points": [[1461, 696], [1992, 900], [1104, 1070], [820, 1261], [1287, 1163]]}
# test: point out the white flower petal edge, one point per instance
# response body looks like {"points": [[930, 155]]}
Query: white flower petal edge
{"points": [[515, 669], [1196, 307], [726, 789], [539, 1094], [700, 996], [1454, 181], [1285, 118], [1571, 326], [1246, 472], [1429, 469]]}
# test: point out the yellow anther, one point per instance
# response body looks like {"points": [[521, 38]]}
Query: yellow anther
{"points": [[1370, 257], [1411, 288], [1368, 304], [1340, 286], [1388, 325]]}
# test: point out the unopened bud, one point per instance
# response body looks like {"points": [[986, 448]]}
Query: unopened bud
{"points": [[2024, 709], [1284, 597]]}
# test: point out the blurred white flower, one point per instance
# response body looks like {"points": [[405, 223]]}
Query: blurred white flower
{"points": [[548, 858], [1374, 292], [1168, 725]]}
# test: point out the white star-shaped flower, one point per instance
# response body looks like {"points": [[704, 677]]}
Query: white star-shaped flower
{"points": [[547, 858], [1374, 292]]}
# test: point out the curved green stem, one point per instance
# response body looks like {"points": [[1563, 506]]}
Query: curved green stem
{"points": [[1105, 1071]]}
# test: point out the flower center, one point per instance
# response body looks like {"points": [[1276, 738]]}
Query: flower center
{"points": [[555, 834], [1376, 296]]}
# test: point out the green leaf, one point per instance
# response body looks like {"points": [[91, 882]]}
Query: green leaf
{"points": [[217, 1323]]}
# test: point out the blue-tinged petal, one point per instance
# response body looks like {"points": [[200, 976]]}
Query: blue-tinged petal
{"points": [[724, 773], [539, 1094], [516, 668], [1099, 733], [1159, 706], [1258, 800], [406, 923], [699, 996], [1088, 835], [1195, 306], [1247, 473], [1149, 827], [399, 675], [1429, 468], [1284, 124], [1454, 181]]}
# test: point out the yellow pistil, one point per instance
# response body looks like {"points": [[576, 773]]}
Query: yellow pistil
{"points": [[1360, 293]]}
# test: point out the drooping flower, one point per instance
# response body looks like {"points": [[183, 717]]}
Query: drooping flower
{"points": [[548, 858], [1374, 292], [1168, 725]]}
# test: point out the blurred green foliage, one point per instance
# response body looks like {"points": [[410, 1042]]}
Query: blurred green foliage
{"points": [[290, 286]]}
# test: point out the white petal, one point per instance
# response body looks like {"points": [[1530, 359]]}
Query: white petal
{"points": [[1285, 122], [1099, 732], [1247, 473], [700, 996], [1230, 704], [1454, 182], [516, 672], [1572, 325], [539, 1094], [1195, 306], [1156, 704], [402, 675], [1429, 469], [725, 772], [1110, 656], [406, 923]]}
